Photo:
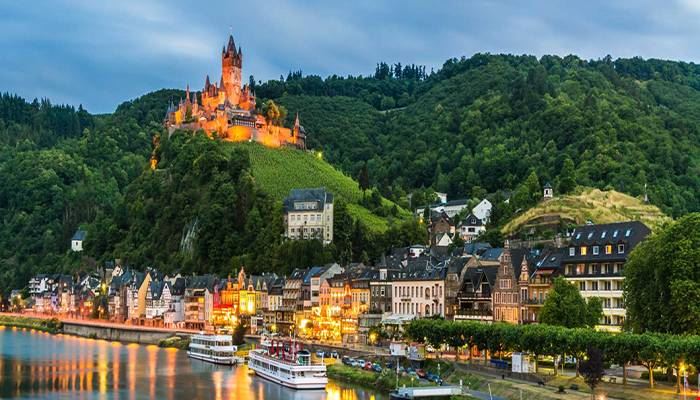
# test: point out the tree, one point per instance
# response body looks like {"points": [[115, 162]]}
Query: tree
{"points": [[363, 178], [566, 307], [662, 280], [493, 236], [592, 368], [238, 334], [567, 178]]}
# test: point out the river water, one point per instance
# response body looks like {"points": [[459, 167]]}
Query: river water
{"points": [[37, 365]]}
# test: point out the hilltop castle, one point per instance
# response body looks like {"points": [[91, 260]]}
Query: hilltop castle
{"points": [[228, 109]]}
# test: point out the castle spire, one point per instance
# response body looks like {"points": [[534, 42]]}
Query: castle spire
{"points": [[207, 84], [296, 121], [231, 47], [187, 93]]}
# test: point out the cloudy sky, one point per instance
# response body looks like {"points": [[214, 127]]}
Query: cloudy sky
{"points": [[101, 52]]}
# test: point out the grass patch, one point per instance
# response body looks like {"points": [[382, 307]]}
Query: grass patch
{"points": [[599, 206], [52, 325], [175, 342], [384, 381], [280, 170]]}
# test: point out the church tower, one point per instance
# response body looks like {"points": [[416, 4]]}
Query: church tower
{"points": [[231, 65]]}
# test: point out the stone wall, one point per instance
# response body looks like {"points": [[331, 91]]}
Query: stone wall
{"points": [[122, 334]]}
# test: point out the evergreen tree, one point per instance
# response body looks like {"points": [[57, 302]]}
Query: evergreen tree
{"points": [[567, 178]]}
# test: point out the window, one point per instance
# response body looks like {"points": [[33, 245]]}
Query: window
{"points": [[608, 249], [594, 285], [596, 250], [584, 250], [628, 233], [580, 269], [504, 284], [602, 235], [607, 285], [572, 251], [620, 248], [578, 236], [582, 286], [615, 233], [590, 234]]}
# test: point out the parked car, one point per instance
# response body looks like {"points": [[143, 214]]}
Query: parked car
{"points": [[360, 363], [346, 360], [421, 373], [435, 378], [376, 367], [367, 366]]}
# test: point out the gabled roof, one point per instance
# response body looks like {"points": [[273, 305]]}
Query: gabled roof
{"points": [[471, 220], [628, 233], [79, 235]]}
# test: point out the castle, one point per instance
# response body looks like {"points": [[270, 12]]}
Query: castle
{"points": [[228, 109]]}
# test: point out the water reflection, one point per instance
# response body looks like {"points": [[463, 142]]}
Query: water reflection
{"points": [[38, 365]]}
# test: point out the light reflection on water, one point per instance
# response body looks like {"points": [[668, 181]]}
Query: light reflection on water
{"points": [[38, 365]]}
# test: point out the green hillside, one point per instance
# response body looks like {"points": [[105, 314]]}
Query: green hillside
{"points": [[280, 170], [594, 205]]}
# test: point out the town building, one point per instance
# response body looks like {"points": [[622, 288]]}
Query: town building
{"points": [[76, 242], [420, 292], [471, 227], [595, 260], [506, 293], [308, 214]]}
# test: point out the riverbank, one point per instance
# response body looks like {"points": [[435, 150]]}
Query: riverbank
{"points": [[52, 325], [93, 329]]}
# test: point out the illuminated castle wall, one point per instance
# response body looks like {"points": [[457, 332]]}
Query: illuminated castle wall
{"points": [[228, 109]]}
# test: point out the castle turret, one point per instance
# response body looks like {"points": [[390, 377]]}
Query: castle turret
{"points": [[231, 65]]}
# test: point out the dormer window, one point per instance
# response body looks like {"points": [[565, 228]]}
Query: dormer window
{"points": [[572, 251], [590, 235], [615, 233], [578, 236], [602, 235], [620, 248], [608, 249], [596, 250], [584, 250], [628, 233]]}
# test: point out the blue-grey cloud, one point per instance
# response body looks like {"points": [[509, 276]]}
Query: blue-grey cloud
{"points": [[100, 53]]}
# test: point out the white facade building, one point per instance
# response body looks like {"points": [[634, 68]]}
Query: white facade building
{"points": [[309, 215], [420, 297]]}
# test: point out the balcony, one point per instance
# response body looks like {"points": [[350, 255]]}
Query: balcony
{"points": [[536, 301], [474, 315]]}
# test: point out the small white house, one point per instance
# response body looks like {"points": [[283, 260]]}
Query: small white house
{"points": [[471, 227], [548, 191], [76, 242], [483, 210]]}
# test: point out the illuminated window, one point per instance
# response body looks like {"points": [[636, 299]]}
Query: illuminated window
{"points": [[584, 250], [608, 249]]}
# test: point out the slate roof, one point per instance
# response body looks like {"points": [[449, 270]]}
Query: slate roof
{"points": [[476, 248], [471, 220], [79, 235], [491, 254], [318, 195], [627, 233]]}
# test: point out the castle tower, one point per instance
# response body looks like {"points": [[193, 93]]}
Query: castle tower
{"points": [[231, 65]]}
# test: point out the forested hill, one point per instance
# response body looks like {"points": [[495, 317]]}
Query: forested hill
{"points": [[484, 123], [489, 125]]}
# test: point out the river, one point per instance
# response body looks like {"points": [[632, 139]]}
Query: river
{"points": [[37, 365]]}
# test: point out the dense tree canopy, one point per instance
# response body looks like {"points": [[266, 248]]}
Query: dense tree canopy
{"points": [[565, 306], [662, 293]]}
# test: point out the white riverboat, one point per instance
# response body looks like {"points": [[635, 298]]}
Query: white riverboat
{"points": [[285, 363], [217, 349]]}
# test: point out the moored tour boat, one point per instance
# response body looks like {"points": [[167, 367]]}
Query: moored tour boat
{"points": [[287, 364], [217, 349]]}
